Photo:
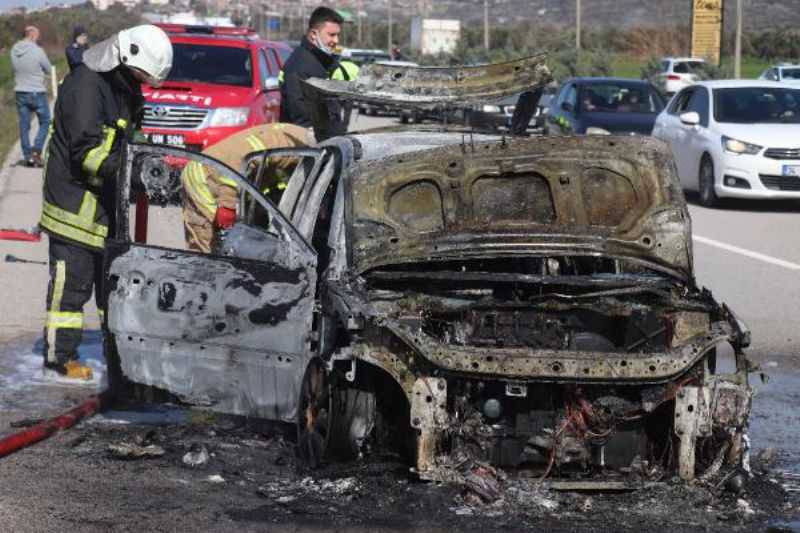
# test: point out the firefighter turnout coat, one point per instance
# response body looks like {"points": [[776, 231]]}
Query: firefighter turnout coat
{"points": [[94, 113], [205, 190]]}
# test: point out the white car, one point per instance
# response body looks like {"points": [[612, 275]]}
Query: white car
{"points": [[784, 72], [678, 72], [735, 139]]}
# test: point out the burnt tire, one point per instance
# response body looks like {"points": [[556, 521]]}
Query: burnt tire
{"points": [[313, 415], [333, 418], [353, 420], [708, 196]]}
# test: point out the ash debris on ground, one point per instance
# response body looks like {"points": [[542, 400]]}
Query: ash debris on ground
{"points": [[251, 477]]}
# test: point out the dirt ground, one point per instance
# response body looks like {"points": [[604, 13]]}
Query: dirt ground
{"points": [[215, 473]]}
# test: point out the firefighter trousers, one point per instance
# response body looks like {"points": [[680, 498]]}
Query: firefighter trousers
{"points": [[74, 272]]}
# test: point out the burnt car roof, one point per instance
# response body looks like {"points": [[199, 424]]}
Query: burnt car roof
{"points": [[478, 196]]}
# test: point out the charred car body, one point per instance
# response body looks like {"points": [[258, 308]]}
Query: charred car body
{"points": [[524, 302]]}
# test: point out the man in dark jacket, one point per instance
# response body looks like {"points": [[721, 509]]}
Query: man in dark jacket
{"points": [[76, 48], [98, 107], [314, 58]]}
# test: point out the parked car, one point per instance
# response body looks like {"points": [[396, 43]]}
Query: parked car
{"points": [[222, 80], [497, 115], [735, 139], [603, 106], [784, 72], [677, 73], [464, 298]]}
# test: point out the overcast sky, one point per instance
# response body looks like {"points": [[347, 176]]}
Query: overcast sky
{"points": [[32, 4]]}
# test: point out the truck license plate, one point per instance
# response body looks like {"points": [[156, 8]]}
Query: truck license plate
{"points": [[791, 170]]}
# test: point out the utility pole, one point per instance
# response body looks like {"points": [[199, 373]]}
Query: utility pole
{"points": [[389, 47], [486, 24], [737, 60], [360, 8], [577, 24]]}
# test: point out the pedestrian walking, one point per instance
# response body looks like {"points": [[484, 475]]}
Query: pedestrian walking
{"points": [[209, 199], [79, 44], [98, 108], [30, 66], [316, 57]]}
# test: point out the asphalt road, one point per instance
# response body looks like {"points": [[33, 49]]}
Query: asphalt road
{"points": [[748, 254]]}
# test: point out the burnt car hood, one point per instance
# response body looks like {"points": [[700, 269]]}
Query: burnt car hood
{"points": [[434, 87], [609, 196]]}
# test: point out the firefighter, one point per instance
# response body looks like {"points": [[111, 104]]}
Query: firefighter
{"points": [[98, 108], [209, 201]]}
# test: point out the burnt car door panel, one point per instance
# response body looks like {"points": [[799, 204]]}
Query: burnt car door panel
{"points": [[229, 329]]}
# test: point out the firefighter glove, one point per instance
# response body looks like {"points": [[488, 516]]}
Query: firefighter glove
{"points": [[225, 217]]}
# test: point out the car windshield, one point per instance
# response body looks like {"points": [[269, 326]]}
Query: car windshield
{"points": [[612, 97], [791, 73], [223, 65], [751, 105]]}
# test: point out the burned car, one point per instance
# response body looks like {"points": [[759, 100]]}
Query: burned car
{"points": [[520, 302]]}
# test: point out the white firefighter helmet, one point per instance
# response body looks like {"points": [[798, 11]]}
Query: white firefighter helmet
{"points": [[144, 47], [147, 48]]}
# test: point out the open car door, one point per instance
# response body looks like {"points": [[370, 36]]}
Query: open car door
{"points": [[229, 329]]}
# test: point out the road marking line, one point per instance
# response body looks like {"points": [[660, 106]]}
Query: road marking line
{"points": [[747, 253]]}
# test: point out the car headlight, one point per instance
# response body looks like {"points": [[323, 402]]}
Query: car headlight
{"points": [[591, 130], [490, 108], [229, 116], [739, 147]]}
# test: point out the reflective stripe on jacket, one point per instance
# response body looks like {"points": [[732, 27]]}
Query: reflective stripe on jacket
{"points": [[208, 190], [94, 114], [346, 71]]}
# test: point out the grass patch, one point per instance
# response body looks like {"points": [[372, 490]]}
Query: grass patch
{"points": [[8, 108], [625, 66]]}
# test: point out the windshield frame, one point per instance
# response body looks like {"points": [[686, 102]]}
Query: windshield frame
{"points": [[720, 92]]}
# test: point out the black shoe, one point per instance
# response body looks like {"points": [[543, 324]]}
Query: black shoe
{"points": [[36, 159]]}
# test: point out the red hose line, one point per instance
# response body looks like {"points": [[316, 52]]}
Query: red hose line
{"points": [[42, 430], [19, 235]]}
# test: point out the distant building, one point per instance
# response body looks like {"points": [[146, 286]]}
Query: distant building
{"points": [[102, 5], [434, 36]]}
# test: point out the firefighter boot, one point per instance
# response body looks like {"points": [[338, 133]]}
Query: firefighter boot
{"points": [[72, 369]]}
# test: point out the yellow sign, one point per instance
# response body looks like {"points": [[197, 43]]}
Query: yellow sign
{"points": [[707, 29]]}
